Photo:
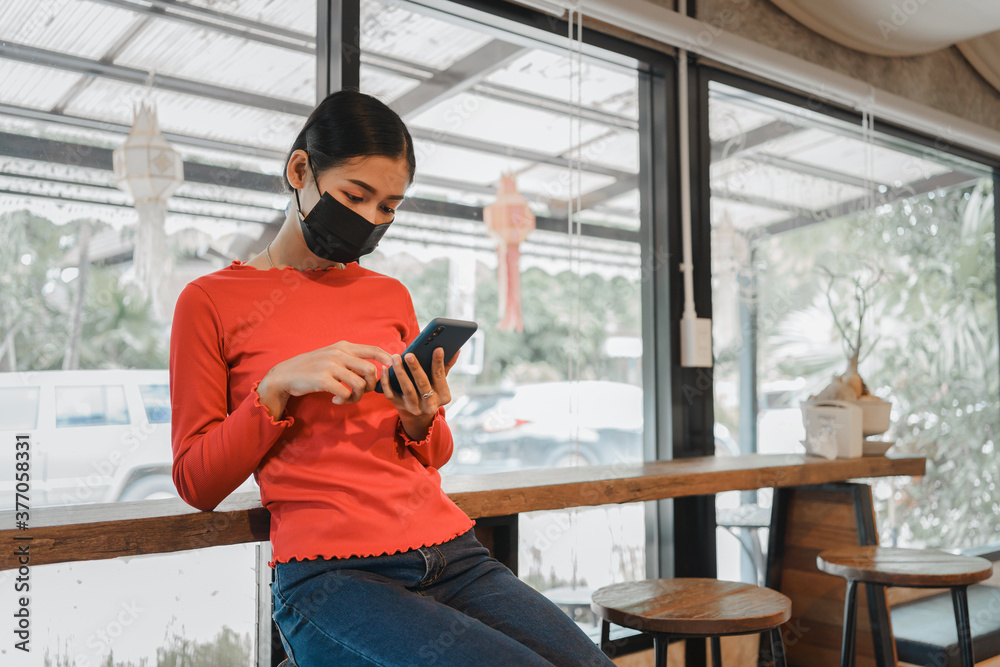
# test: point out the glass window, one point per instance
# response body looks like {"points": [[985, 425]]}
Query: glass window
{"points": [[187, 608], [18, 408], [231, 84], [482, 101], [156, 399], [90, 406], [480, 104], [824, 235]]}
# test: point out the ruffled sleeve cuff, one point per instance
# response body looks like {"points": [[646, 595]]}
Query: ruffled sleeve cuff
{"points": [[266, 414], [410, 442], [435, 448]]}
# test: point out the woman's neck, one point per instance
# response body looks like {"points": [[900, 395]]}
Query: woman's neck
{"points": [[289, 249]]}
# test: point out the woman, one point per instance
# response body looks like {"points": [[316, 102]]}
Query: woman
{"points": [[272, 367]]}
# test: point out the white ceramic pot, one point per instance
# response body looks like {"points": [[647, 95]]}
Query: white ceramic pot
{"points": [[874, 415]]}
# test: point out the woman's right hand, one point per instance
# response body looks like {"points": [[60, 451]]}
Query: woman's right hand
{"points": [[343, 369]]}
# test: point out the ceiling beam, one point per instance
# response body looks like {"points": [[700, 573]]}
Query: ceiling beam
{"points": [[536, 101], [100, 188], [138, 77], [78, 155], [121, 128], [457, 78], [501, 93], [259, 26], [493, 148], [757, 200], [465, 212], [78, 200], [61, 152], [95, 157], [126, 38], [813, 170], [860, 204], [609, 191], [751, 140], [396, 66]]}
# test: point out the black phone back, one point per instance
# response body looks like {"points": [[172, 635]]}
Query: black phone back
{"points": [[439, 332]]}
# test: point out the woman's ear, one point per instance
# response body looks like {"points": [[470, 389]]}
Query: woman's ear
{"points": [[295, 171]]}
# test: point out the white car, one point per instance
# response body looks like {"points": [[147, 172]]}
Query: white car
{"points": [[95, 436], [547, 424]]}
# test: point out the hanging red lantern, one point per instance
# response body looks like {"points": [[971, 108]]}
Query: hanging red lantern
{"points": [[509, 221]]}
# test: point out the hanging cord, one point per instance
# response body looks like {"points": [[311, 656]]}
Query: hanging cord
{"points": [[866, 123], [868, 137], [574, 204]]}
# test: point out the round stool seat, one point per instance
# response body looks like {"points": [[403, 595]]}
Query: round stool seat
{"points": [[890, 566], [692, 607]]}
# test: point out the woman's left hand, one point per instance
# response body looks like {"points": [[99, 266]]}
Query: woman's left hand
{"points": [[419, 400]]}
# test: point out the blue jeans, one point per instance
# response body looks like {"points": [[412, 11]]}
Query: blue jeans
{"points": [[450, 605]]}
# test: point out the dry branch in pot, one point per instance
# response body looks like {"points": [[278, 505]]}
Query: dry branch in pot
{"points": [[850, 386]]}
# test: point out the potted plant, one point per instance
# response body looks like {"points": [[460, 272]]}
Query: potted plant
{"points": [[850, 386]]}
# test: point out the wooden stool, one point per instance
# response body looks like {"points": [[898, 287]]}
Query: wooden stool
{"points": [[693, 608], [912, 568]]}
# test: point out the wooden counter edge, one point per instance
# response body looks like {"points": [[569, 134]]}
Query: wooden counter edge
{"points": [[164, 526]]}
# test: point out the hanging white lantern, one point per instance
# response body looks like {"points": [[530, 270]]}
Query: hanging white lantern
{"points": [[149, 169]]}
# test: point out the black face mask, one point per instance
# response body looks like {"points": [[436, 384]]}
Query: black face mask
{"points": [[335, 232]]}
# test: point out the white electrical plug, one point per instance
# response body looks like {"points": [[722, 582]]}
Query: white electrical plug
{"points": [[696, 342]]}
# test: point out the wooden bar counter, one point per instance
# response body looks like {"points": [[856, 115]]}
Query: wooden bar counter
{"points": [[95, 532]]}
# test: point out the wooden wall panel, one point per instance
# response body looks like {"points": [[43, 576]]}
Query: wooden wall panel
{"points": [[805, 521]]}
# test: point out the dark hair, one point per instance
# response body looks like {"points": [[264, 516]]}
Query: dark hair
{"points": [[348, 124]]}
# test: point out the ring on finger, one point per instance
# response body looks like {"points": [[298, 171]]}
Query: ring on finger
{"points": [[428, 394]]}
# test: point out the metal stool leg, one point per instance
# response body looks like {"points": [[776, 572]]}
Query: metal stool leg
{"points": [[777, 648], [716, 652], [850, 618], [660, 645], [960, 600]]}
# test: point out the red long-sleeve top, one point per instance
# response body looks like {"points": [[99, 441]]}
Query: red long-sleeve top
{"points": [[339, 480]]}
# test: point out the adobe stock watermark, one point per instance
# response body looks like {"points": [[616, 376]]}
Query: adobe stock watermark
{"points": [[100, 642], [900, 15]]}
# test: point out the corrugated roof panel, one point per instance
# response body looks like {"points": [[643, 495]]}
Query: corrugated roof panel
{"points": [[849, 155], [476, 117], [387, 87], [67, 26], [33, 86], [38, 170], [189, 115], [727, 120], [199, 54], [275, 203], [463, 165], [393, 31], [620, 150], [744, 216], [298, 15], [627, 202], [782, 186], [559, 183], [547, 73]]}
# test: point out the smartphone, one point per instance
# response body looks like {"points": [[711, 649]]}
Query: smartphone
{"points": [[439, 332]]}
